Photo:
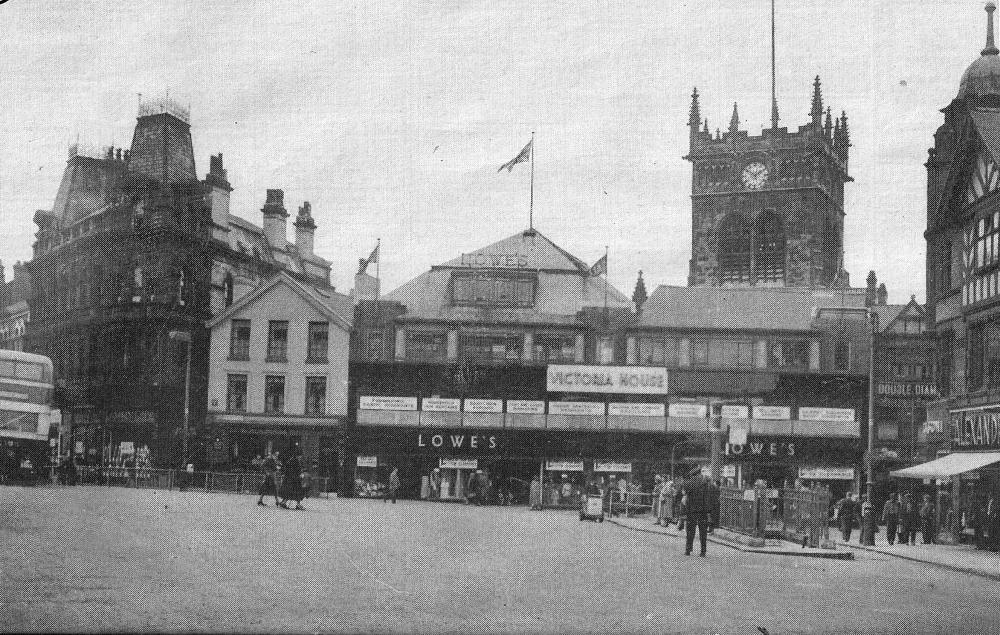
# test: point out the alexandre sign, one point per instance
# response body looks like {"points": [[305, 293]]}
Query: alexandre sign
{"points": [[607, 379], [979, 429]]}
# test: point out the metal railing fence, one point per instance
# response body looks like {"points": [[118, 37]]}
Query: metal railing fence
{"points": [[793, 514], [149, 478]]}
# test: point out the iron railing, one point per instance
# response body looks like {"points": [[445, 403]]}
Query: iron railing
{"points": [[797, 515], [149, 478]]}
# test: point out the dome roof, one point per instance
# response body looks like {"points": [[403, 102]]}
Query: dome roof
{"points": [[982, 78]]}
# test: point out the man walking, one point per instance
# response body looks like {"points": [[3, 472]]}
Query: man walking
{"points": [[846, 512], [699, 506], [890, 516], [927, 520], [393, 486], [267, 485]]}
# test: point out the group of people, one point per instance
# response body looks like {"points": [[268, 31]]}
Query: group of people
{"points": [[900, 513], [295, 481]]}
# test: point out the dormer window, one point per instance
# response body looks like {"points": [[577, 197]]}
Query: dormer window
{"points": [[985, 178]]}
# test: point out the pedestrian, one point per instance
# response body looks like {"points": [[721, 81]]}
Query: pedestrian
{"points": [[845, 512], [436, 483], [907, 521], [993, 522], [666, 503], [890, 516], [681, 498], [927, 524], [291, 482], [268, 486], [393, 490], [535, 494], [472, 488], [868, 524], [699, 508], [657, 488]]}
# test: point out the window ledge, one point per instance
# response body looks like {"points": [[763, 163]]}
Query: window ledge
{"points": [[239, 358], [277, 360], [317, 360]]}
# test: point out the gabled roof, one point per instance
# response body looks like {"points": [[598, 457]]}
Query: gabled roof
{"points": [[888, 314], [987, 124], [528, 250], [741, 309], [338, 307]]}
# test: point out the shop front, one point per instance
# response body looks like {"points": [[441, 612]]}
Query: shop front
{"points": [[784, 461]]}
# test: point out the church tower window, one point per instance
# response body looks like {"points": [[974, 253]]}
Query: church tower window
{"points": [[734, 250], [769, 252]]}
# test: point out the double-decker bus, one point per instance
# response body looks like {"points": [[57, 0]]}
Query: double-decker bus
{"points": [[26, 414]]}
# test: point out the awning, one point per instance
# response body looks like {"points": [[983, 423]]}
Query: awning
{"points": [[949, 465]]}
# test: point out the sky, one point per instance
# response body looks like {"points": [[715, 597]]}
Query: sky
{"points": [[392, 118]]}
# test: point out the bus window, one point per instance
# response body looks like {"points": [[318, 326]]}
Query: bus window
{"points": [[11, 420]]}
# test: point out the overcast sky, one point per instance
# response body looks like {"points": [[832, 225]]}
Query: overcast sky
{"points": [[392, 118]]}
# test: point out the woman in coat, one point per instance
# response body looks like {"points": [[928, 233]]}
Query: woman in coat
{"points": [[291, 483], [535, 494]]}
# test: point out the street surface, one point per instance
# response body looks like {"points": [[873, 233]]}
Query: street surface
{"points": [[102, 559]]}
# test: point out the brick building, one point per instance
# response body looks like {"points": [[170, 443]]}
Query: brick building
{"points": [[134, 247]]}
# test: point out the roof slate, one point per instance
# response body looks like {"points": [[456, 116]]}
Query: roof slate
{"points": [[740, 309]]}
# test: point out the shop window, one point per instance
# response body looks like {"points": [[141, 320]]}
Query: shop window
{"points": [[319, 334], [491, 348], [493, 288], [372, 344], [658, 351], [789, 354], [737, 353], [605, 350], [315, 395], [887, 430], [236, 393], [554, 348], [274, 394], [277, 341], [423, 346], [842, 356], [699, 352], [239, 340]]}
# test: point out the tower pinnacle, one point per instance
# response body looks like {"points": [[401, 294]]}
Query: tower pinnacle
{"points": [[817, 104], [734, 123], [694, 118]]}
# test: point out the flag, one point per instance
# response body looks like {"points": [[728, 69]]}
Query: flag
{"points": [[373, 256], [600, 267], [523, 157]]}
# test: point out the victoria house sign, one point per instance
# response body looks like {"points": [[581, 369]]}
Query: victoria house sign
{"points": [[607, 379]]}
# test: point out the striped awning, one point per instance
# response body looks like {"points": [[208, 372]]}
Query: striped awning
{"points": [[949, 465]]}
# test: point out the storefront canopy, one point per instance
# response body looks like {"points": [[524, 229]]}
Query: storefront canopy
{"points": [[949, 465]]}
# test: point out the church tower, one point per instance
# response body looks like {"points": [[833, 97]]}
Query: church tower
{"points": [[768, 210]]}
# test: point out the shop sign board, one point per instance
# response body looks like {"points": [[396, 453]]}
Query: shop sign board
{"points": [[638, 380], [483, 405], [899, 389], [978, 429], [438, 404], [78, 447], [457, 441], [388, 403], [694, 410], [126, 447], [826, 414], [636, 409], [525, 407], [749, 495], [737, 436], [498, 260], [827, 473], [728, 471], [932, 427], [459, 464], [772, 413], [564, 466], [735, 412], [589, 408], [612, 467], [367, 461], [755, 447]]}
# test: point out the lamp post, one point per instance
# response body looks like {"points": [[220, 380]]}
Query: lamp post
{"points": [[872, 327], [185, 336]]}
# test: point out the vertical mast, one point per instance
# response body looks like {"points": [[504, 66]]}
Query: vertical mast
{"points": [[774, 90], [531, 199]]}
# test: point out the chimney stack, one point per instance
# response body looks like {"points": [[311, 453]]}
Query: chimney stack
{"points": [[218, 195], [305, 228], [871, 297], [275, 219]]}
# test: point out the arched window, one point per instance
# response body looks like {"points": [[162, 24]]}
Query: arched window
{"points": [[735, 250], [769, 248], [227, 285]]}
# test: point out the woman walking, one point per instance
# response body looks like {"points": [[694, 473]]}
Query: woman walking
{"points": [[535, 494], [268, 487], [291, 482], [393, 490]]}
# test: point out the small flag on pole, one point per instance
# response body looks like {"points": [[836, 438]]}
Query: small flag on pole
{"points": [[373, 256], [600, 267], [523, 157]]}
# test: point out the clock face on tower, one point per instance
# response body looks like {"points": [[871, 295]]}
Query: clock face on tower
{"points": [[755, 175]]}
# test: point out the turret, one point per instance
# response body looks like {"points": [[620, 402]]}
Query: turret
{"points": [[734, 121], [694, 117], [828, 126], [871, 292], [842, 138], [161, 143]]}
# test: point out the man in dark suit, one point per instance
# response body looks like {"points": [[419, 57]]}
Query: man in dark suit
{"points": [[700, 506]]}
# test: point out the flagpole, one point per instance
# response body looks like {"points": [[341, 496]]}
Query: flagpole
{"points": [[378, 264], [605, 286], [531, 199]]}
